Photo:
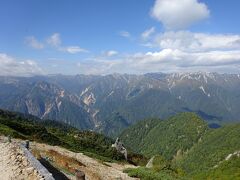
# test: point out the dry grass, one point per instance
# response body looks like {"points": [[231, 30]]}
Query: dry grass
{"points": [[60, 161]]}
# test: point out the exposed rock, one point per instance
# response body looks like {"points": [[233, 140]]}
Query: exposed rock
{"points": [[150, 163], [120, 148]]}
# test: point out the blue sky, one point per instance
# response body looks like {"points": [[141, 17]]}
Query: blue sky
{"points": [[127, 36]]}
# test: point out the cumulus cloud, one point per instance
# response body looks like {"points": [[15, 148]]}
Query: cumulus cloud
{"points": [[166, 60], [11, 67], [110, 53], [179, 50], [176, 14], [147, 33], [172, 59], [185, 59], [54, 40], [188, 41], [33, 42]]}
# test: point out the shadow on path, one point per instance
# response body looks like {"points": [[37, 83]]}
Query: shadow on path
{"points": [[55, 172]]}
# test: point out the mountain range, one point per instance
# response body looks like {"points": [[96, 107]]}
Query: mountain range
{"points": [[111, 103]]}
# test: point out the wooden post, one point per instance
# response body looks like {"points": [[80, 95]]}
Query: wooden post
{"points": [[79, 175], [27, 144]]}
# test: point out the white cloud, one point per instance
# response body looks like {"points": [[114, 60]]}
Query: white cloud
{"points": [[73, 49], [178, 50], [179, 14], [180, 58], [166, 60], [11, 67], [125, 34], [188, 41], [110, 53], [54, 40], [147, 33], [33, 42]]}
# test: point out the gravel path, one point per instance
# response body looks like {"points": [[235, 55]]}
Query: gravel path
{"points": [[14, 165]]}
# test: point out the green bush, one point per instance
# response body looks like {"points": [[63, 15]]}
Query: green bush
{"points": [[149, 174]]}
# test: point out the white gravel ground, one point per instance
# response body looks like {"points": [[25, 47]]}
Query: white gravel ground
{"points": [[14, 165]]}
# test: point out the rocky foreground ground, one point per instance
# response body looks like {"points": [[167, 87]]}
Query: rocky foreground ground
{"points": [[93, 169], [14, 164]]}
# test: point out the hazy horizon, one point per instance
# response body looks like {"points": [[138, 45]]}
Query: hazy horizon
{"points": [[130, 74]]}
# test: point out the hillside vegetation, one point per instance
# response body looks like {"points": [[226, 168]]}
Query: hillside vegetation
{"points": [[133, 136], [214, 147], [177, 134], [188, 147], [50, 132]]}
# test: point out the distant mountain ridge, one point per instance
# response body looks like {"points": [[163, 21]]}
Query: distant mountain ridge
{"points": [[113, 102]]}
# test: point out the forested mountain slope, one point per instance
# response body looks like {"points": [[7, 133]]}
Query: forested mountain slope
{"points": [[186, 144], [166, 137]]}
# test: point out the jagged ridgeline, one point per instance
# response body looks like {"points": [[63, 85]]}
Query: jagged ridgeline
{"points": [[187, 143], [111, 103], [54, 133]]}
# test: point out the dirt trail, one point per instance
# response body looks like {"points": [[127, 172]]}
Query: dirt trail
{"points": [[14, 164], [93, 169]]}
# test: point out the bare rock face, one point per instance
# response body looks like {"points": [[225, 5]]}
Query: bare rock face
{"points": [[120, 148]]}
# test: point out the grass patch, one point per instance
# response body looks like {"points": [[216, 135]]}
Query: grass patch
{"points": [[148, 174]]}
